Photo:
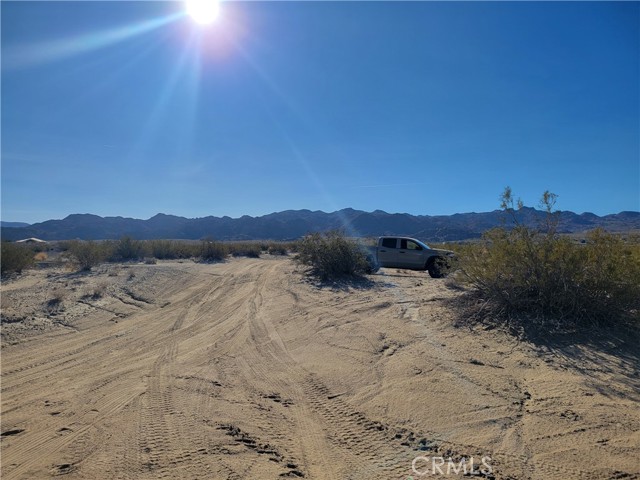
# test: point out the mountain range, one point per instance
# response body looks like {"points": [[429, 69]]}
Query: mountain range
{"points": [[13, 224], [292, 224]]}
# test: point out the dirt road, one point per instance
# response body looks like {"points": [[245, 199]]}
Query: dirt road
{"points": [[245, 370]]}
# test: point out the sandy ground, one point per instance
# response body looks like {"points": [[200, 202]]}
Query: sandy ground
{"points": [[246, 370]]}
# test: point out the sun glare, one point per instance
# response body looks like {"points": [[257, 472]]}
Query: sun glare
{"points": [[203, 12]]}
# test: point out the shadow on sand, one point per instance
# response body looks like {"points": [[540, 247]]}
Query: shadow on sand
{"points": [[609, 360], [344, 284]]}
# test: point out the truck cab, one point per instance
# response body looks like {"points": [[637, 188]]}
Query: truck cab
{"points": [[412, 254]]}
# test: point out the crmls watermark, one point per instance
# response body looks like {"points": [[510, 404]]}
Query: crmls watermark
{"points": [[422, 466]]}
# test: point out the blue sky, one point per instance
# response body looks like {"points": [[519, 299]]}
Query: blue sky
{"points": [[131, 108]]}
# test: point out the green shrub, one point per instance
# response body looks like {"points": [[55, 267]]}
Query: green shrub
{"points": [[87, 254], [245, 249], [212, 251], [332, 256], [170, 249], [128, 249], [277, 248], [534, 275], [15, 258]]}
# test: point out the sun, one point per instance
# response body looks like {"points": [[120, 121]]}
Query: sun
{"points": [[203, 12]]}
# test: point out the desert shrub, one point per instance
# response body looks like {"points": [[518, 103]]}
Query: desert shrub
{"points": [[332, 255], [58, 295], [55, 302], [212, 251], [128, 249], [38, 247], [15, 258], [161, 249], [169, 249], [277, 248], [87, 254], [536, 276], [245, 249], [40, 257], [97, 291], [64, 245]]}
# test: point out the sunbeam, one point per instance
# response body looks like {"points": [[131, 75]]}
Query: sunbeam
{"points": [[264, 76], [24, 56], [188, 58], [291, 144]]}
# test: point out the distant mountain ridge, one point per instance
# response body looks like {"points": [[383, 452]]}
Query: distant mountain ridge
{"points": [[13, 224], [292, 224]]}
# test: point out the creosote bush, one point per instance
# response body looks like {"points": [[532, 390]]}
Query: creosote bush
{"points": [[128, 249], [332, 255], [535, 277], [275, 248], [245, 249], [88, 254], [212, 251], [15, 258], [169, 249]]}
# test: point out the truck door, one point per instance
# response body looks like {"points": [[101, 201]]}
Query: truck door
{"points": [[411, 254], [388, 252]]}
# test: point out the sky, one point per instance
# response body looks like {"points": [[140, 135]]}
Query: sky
{"points": [[132, 108]]}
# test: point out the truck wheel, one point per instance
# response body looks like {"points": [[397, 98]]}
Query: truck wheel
{"points": [[372, 266], [438, 268]]}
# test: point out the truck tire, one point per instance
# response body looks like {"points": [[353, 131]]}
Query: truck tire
{"points": [[372, 266], [437, 267]]}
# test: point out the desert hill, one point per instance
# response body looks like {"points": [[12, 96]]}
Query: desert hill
{"points": [[292, 224]]}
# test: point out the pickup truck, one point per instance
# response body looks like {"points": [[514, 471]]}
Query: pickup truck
{"points": [[409, 253]]}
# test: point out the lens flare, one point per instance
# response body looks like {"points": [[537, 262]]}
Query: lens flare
{"points": [[203, 12], [24, 56]]}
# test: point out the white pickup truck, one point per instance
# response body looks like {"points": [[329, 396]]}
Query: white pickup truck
{"points": [[409, 253]]}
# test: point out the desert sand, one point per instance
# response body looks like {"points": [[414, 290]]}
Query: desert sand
{"points": [[246, 369]]}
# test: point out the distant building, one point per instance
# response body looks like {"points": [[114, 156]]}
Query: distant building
{"points": [[31, 240]]}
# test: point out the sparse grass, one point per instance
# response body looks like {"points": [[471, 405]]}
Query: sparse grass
{"points": [[40, 257], [57, 298], [529, 277], [97, 291], [332, 256], [15, 258]]}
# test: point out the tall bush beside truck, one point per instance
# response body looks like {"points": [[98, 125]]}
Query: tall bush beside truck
{"points": [[332, 255], [534, 276]]}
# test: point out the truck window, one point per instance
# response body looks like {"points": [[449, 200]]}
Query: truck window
{"points": [[411, 245], [389, 242]]}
